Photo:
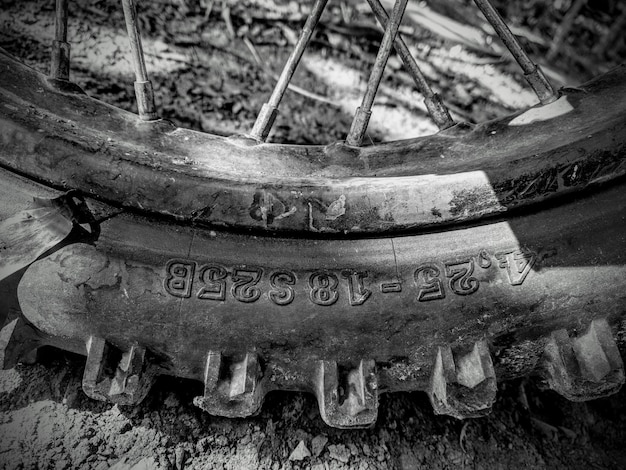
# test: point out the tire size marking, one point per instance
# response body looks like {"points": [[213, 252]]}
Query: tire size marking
{"points": [[431, 280], [323, 288]]}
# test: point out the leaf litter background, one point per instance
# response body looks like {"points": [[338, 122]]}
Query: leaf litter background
{"points": [[213, 63]]}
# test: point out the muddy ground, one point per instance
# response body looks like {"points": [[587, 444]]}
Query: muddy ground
{"points": [[212, 64]]}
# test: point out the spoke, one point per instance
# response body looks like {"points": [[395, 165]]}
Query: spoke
{"points": [[60, 65], [363, 112], [268, 112], [434, 104], [143, 86], [533, 74]]}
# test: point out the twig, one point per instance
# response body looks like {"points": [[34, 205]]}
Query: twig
{"points": [[257, 61], [228, 21], [463, 436], [564, 28], [208, 8], [612, 33], [296, 89]]}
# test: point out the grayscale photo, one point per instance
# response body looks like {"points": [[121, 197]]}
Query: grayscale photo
{"points": [[312, 234]]}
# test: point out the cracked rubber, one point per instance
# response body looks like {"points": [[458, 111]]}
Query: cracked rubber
{"points": [[340, 271]]}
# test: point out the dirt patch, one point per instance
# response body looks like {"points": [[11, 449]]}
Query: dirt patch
{"points": [[47, 422]]}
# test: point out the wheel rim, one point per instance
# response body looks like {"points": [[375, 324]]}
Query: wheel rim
{"points": [[336, 189]]}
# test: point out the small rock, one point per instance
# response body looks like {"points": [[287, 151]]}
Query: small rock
{"points": [[221, 441], [61, 464], [81, 452], [107, 451], [354, 450], [455, 457], [317, 444], [171, 401], [569, 433], [408, 459], [202, 445], [148, 463], [165, 463], [366, 450], [339, 452], [300, 452], [121, 464], [124, 428]]}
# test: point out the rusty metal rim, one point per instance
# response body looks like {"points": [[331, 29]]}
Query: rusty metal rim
{"points": [[462, 174]]}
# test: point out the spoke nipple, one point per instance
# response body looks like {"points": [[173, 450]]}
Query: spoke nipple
{"points": [[358, 127], [264, 122], [145, 101], [438, 111], [60, 64], [541, 86]]}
